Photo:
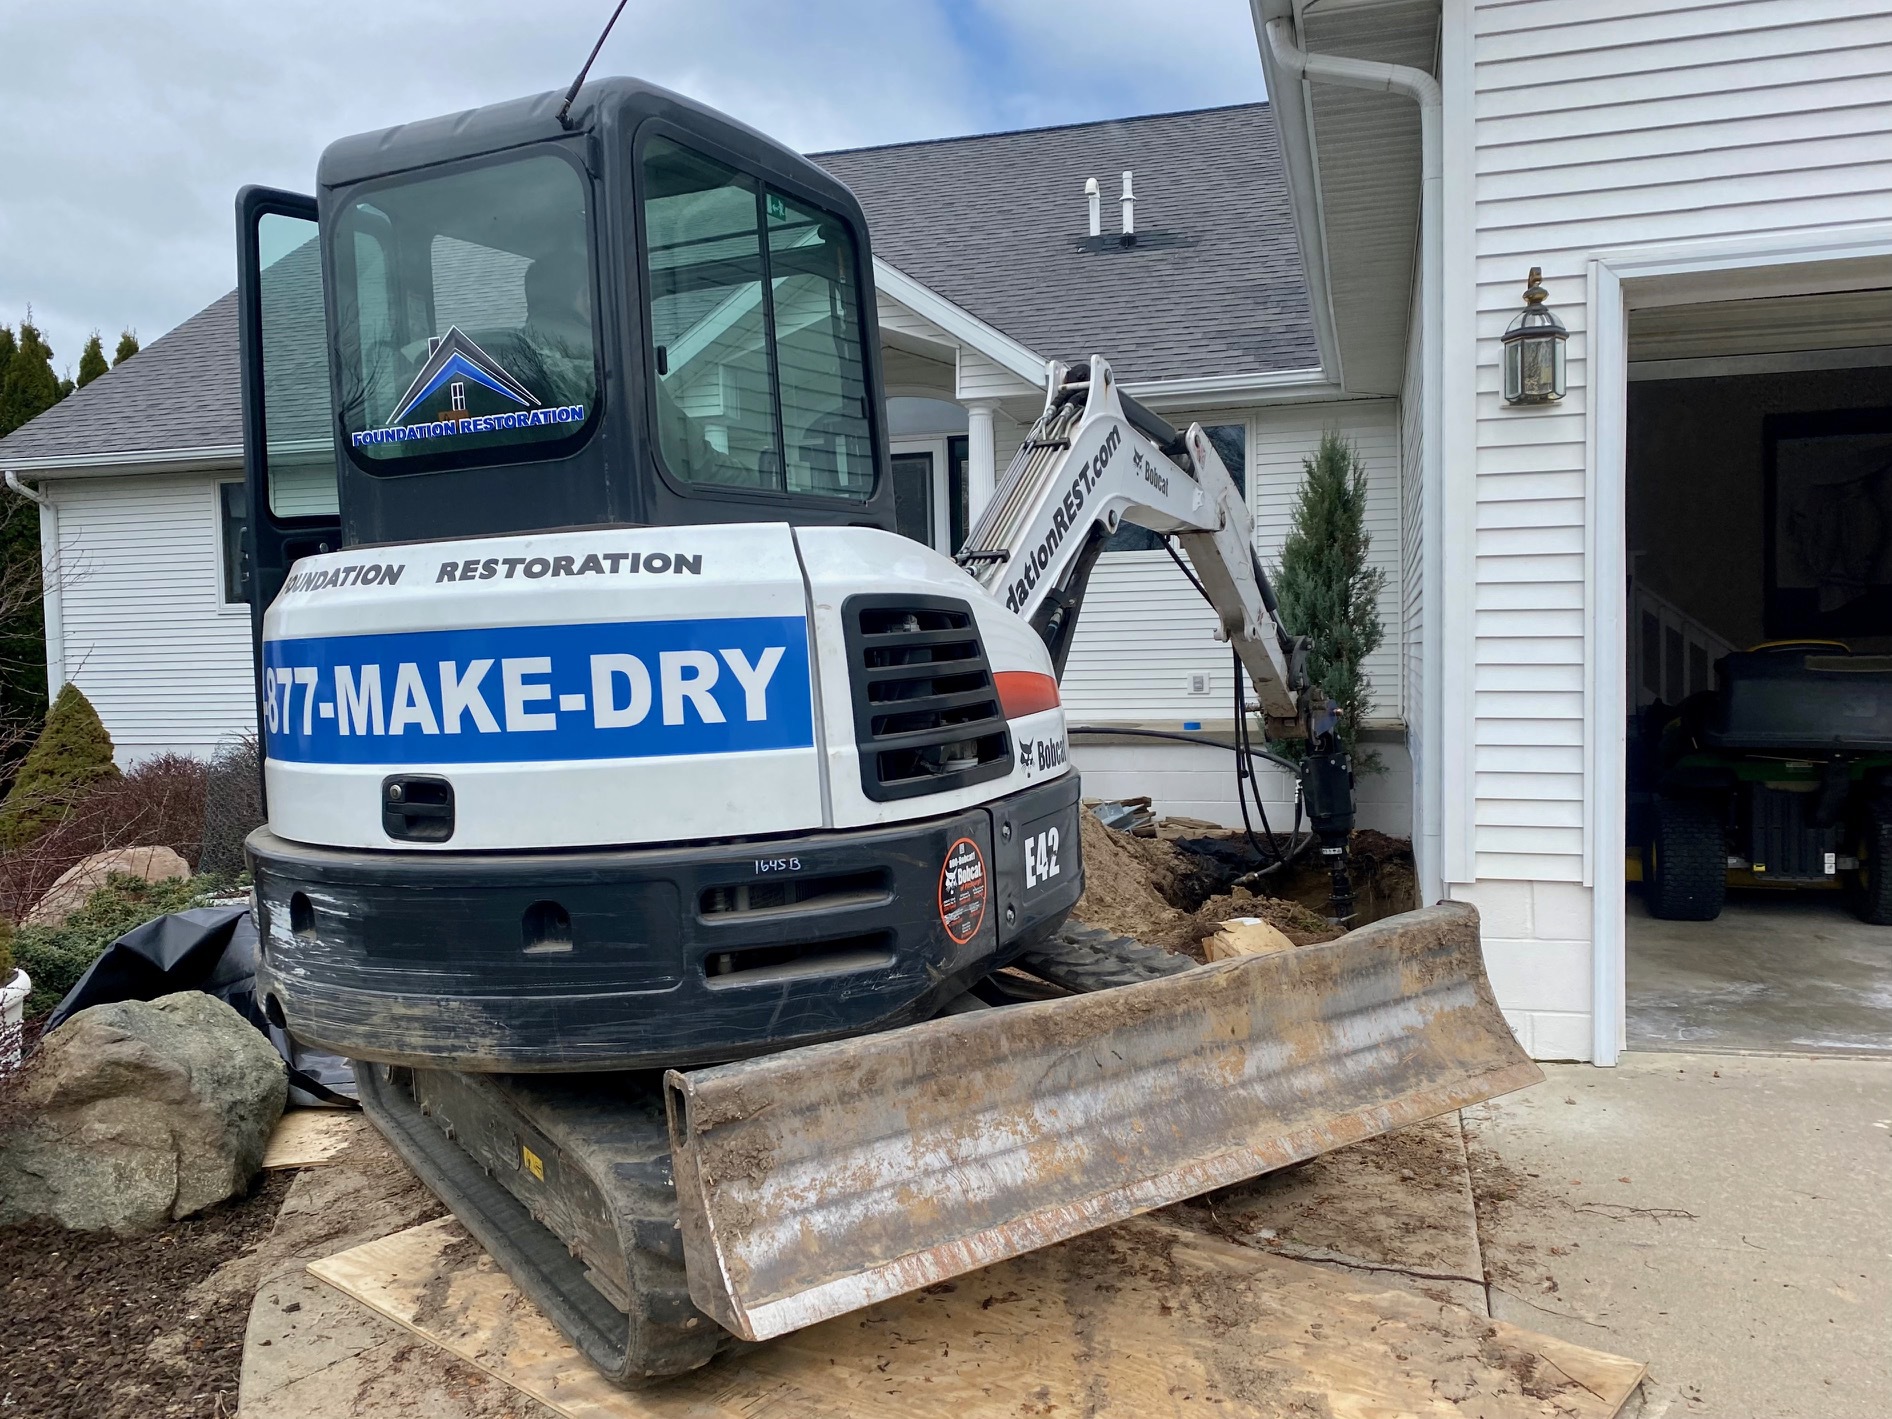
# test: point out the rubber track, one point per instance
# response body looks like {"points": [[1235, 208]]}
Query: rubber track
{"points": [[1085, 958], [666, 1334]]}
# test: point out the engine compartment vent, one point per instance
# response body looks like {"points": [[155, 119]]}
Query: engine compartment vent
{"points": [[926, 713]]}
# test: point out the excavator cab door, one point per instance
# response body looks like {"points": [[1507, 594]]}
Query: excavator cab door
{"points": [[289, 469]]}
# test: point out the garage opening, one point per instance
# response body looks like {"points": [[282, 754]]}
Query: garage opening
{"points": [[1759, 668]]}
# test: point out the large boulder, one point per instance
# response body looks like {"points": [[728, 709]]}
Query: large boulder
{"points": [[88, 874], [137, 1113]]}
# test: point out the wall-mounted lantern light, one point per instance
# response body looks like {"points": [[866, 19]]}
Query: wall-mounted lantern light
{"points": [[1534, 350]]}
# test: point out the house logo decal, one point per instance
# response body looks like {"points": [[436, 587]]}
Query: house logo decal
{"points": [[455, 362]]}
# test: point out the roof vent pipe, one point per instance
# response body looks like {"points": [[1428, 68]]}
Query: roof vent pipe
{"points": [[1129, 200], [1096, 205]]}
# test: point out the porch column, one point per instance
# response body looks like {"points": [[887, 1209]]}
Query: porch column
{"points": [[981, 456]]}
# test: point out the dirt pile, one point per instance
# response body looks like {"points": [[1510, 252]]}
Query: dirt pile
{"points": [[1152, 889], [1175, 888], [1120, 877]]}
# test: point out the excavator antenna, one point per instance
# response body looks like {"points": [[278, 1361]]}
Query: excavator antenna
{"points": [[565, 109]]}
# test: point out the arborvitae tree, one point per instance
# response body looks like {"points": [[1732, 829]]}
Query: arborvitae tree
{"points": [[1326, 589], [92, 362], [127, 347], [30, 387], [73, 752]]}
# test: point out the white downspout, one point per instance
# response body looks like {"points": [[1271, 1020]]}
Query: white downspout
{"points": [[53, 600], [1423, 89]]}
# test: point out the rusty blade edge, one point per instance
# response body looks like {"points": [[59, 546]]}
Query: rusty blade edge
{"points": [[1045, 1227]]}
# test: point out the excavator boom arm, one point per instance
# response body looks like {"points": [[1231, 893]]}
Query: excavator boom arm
{"points": [[1095, 460]]}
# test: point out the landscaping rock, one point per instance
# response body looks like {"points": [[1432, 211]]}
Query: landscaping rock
{"points": [[138, 1113], [86, 876]]}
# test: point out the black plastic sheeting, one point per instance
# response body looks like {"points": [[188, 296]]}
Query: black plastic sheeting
{"points": [[212, 949]]}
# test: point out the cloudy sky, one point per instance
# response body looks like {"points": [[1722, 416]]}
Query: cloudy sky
{"points": [[130, 124]]}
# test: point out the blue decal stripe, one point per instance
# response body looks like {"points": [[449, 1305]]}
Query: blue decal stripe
{"points": [[459, 367], [531, 694]]}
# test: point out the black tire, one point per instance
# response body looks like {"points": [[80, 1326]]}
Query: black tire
{"points": [[1871, 888], [1083, 958], [1685, 862]]}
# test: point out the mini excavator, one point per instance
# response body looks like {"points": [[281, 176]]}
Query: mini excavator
{"points": [[685, 858]]}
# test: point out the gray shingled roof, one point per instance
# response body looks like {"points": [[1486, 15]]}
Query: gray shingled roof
{"points": [[997, 224], [179, 392]]}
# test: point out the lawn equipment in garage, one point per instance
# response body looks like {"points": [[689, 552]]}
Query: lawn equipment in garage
{"points": [[1781, 776]]}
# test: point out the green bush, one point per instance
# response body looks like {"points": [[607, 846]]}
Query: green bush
{"points": [[72, 754], [56, 956], [6, 950]]}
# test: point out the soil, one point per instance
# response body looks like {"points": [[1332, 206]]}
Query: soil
{"points": [[1172, 890], [99, 1326]]}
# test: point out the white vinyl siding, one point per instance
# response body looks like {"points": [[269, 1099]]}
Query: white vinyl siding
{"points": [[1601, 125], [1142, 634], [1144, 630], [980, 378], [147, 637]]}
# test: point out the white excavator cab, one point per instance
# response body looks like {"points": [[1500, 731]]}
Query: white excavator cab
{"points": [[661, 833]]}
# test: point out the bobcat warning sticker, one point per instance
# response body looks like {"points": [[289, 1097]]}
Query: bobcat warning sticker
{"points": [[962, 891]]}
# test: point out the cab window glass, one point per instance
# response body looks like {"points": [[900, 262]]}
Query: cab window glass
{"points": [[756, 333], [299, 430], [467, 312], [709, 322], [818, 352]]}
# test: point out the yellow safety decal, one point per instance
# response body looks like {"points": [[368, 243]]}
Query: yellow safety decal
{"points": [[532, 1162]]}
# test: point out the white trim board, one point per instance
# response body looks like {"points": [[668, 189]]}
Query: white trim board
{"points": [[1640, 277], [1775, 362]]}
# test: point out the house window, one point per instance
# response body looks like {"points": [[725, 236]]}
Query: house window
{"points": [[1230, 442], [929, 483], [233, 520], [958, 500]]}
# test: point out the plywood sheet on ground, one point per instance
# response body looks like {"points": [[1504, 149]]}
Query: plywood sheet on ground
{"points": [[1141, 1320], [305, 1138]]}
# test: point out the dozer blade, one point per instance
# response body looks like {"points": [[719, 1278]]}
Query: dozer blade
{"points": [[820, 1180]]}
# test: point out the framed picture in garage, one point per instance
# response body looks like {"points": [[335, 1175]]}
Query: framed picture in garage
{"points": [[1829, 524]]}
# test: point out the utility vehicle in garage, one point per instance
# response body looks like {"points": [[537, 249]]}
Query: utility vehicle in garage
{"points": [[1781, 776]]}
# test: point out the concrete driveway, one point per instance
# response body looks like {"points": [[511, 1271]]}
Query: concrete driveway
{"points": [[1727, 1217]]}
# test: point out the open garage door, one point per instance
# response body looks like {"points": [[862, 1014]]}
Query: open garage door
{"points": [[1759, 674]]}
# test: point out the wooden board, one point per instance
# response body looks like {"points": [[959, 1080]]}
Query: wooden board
{"points": [[1141, 1321], [305, 1138]]}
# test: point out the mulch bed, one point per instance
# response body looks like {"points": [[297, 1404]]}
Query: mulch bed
{"points": [[96, 1326]]}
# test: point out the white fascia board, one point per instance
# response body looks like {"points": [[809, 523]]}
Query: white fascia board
{"points": [[105, 465], [1289, 103], [1225, 390], [961, 324]]}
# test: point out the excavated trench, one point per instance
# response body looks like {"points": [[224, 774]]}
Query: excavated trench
{"points": [[1173, 889]]}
